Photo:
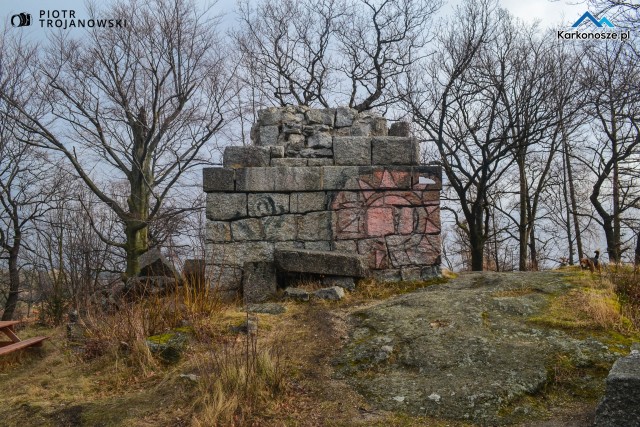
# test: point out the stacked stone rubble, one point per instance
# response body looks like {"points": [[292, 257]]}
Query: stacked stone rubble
{"points": [[328, 180]]}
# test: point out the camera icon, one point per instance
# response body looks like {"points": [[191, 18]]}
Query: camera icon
{"points": [[21, 19]]}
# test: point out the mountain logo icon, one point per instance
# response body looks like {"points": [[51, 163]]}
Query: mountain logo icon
{"points": [[598, 23]]}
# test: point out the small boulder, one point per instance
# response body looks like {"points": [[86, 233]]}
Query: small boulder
{"points": [[344, 282], [149, 285], [153, 263], [168, 347], [296, 294], [249, 326], [334, 293]]}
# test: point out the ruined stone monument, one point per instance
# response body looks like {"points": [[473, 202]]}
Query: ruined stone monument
{"points": [[318, 181]]}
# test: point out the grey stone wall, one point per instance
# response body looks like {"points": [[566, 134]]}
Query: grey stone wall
{"points": [[328, 180]]}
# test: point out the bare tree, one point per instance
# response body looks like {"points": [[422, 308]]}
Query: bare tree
{"points": [[625, 12], [285, 48], [458, 103], [611, 82], [26, 182], [134, 105], [323, 52], [378, 44]]}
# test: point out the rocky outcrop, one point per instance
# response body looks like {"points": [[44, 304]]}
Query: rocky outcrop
{"points": [[467, 350]]}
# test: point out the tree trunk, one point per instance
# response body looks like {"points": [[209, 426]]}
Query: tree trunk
{"points": [[609, 235], [476, 241], [522, 225], [533, 249], [572, 195], [140, 180], [637, 257], [616, 249], [567, 220], [14, 284], [137, 244], [477, 254]]}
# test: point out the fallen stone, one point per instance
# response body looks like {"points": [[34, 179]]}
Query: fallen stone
{"points": [[144, 286], [621, 403], [259, 281], [153, 263], [190, 377], [168, 347], [344, 282], [321, 262], [266, 308], [334, 293], [249, 326], [296, 294]]}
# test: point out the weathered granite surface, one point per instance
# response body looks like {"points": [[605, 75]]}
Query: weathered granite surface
{"points": [[468, 350], [329, 180], [621, 403], [320, 262]]}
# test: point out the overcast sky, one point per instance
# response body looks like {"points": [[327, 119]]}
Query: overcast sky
{"points": [[547, 12]]}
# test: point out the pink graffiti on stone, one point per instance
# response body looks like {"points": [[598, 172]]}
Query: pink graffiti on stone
{"points": [[392, 227]]}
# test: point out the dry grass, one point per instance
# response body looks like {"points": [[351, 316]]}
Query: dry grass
{"points": [[281, 376], [595, 303], [237, 381]]}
